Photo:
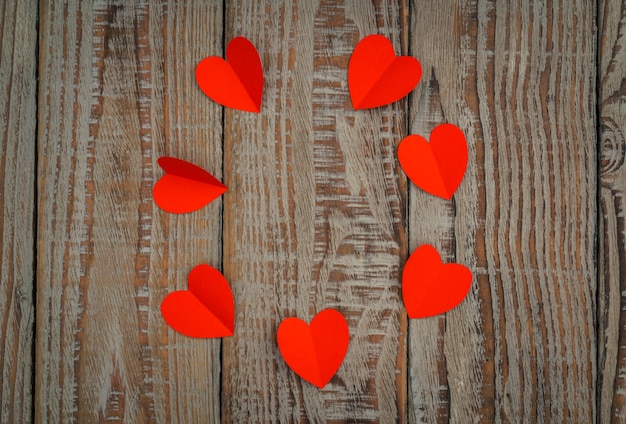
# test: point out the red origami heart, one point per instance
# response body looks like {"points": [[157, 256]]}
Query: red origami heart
{"points": [[436, 167], [376, 76], [185, 187], [430, 287], [236, 82], [314, 352], [205, 310]]}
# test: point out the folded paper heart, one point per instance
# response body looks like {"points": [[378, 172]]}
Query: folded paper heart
{"points": [[430, 287], [236, 82], [314, 352], [206, 309], [436, 167], [376, 76], [185, 187]]}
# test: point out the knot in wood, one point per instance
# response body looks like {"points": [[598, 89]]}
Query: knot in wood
{"points": [[612, 147]]}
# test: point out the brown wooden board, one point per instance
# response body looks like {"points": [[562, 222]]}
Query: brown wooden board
{"points": [[520, 81], [18, 123], [611, 229], [117, 91], [314, 217]]}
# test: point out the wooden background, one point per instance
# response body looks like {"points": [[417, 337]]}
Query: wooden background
{"points": [[318, 212]]}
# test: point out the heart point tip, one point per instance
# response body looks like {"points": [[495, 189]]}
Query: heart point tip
{"points": [[319, 384]]}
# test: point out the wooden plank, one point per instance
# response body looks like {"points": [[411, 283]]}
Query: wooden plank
{"points": [[314, 216], [519, 80], [612, 204], [18, 114], [117, 91]]}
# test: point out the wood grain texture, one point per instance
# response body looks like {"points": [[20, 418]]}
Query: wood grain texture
{"points": [[519, 80], [18, 120], [314, 216], [318, 213], [612, 206], [117, 91], [268, 244], [360, 203]]}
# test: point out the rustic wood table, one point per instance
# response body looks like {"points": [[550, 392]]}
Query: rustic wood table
{"points": [[318, 213]]}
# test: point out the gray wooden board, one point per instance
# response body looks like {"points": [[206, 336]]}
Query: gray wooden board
{"points": [[611, 229], [520, 81], [18, 121], [314, 216], [117, 91]]}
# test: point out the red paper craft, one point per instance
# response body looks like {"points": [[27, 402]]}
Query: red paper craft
{"points": [[315, 352], [185, 187], [236, 82], [376, 76], [436, 167], [206, 309], [430, 287]]}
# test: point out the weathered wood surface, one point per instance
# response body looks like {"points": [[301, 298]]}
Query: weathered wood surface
{"points": [[318, 212], [319, 219], [519, 80], [611, 214], [18, 120], [117, 90]]}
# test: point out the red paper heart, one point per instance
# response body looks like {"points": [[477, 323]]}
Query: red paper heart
{"points": [[430, 287], [436, 167], [185, 187], [206, 309], [376, 76], [236, 82], [314, 352]]}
